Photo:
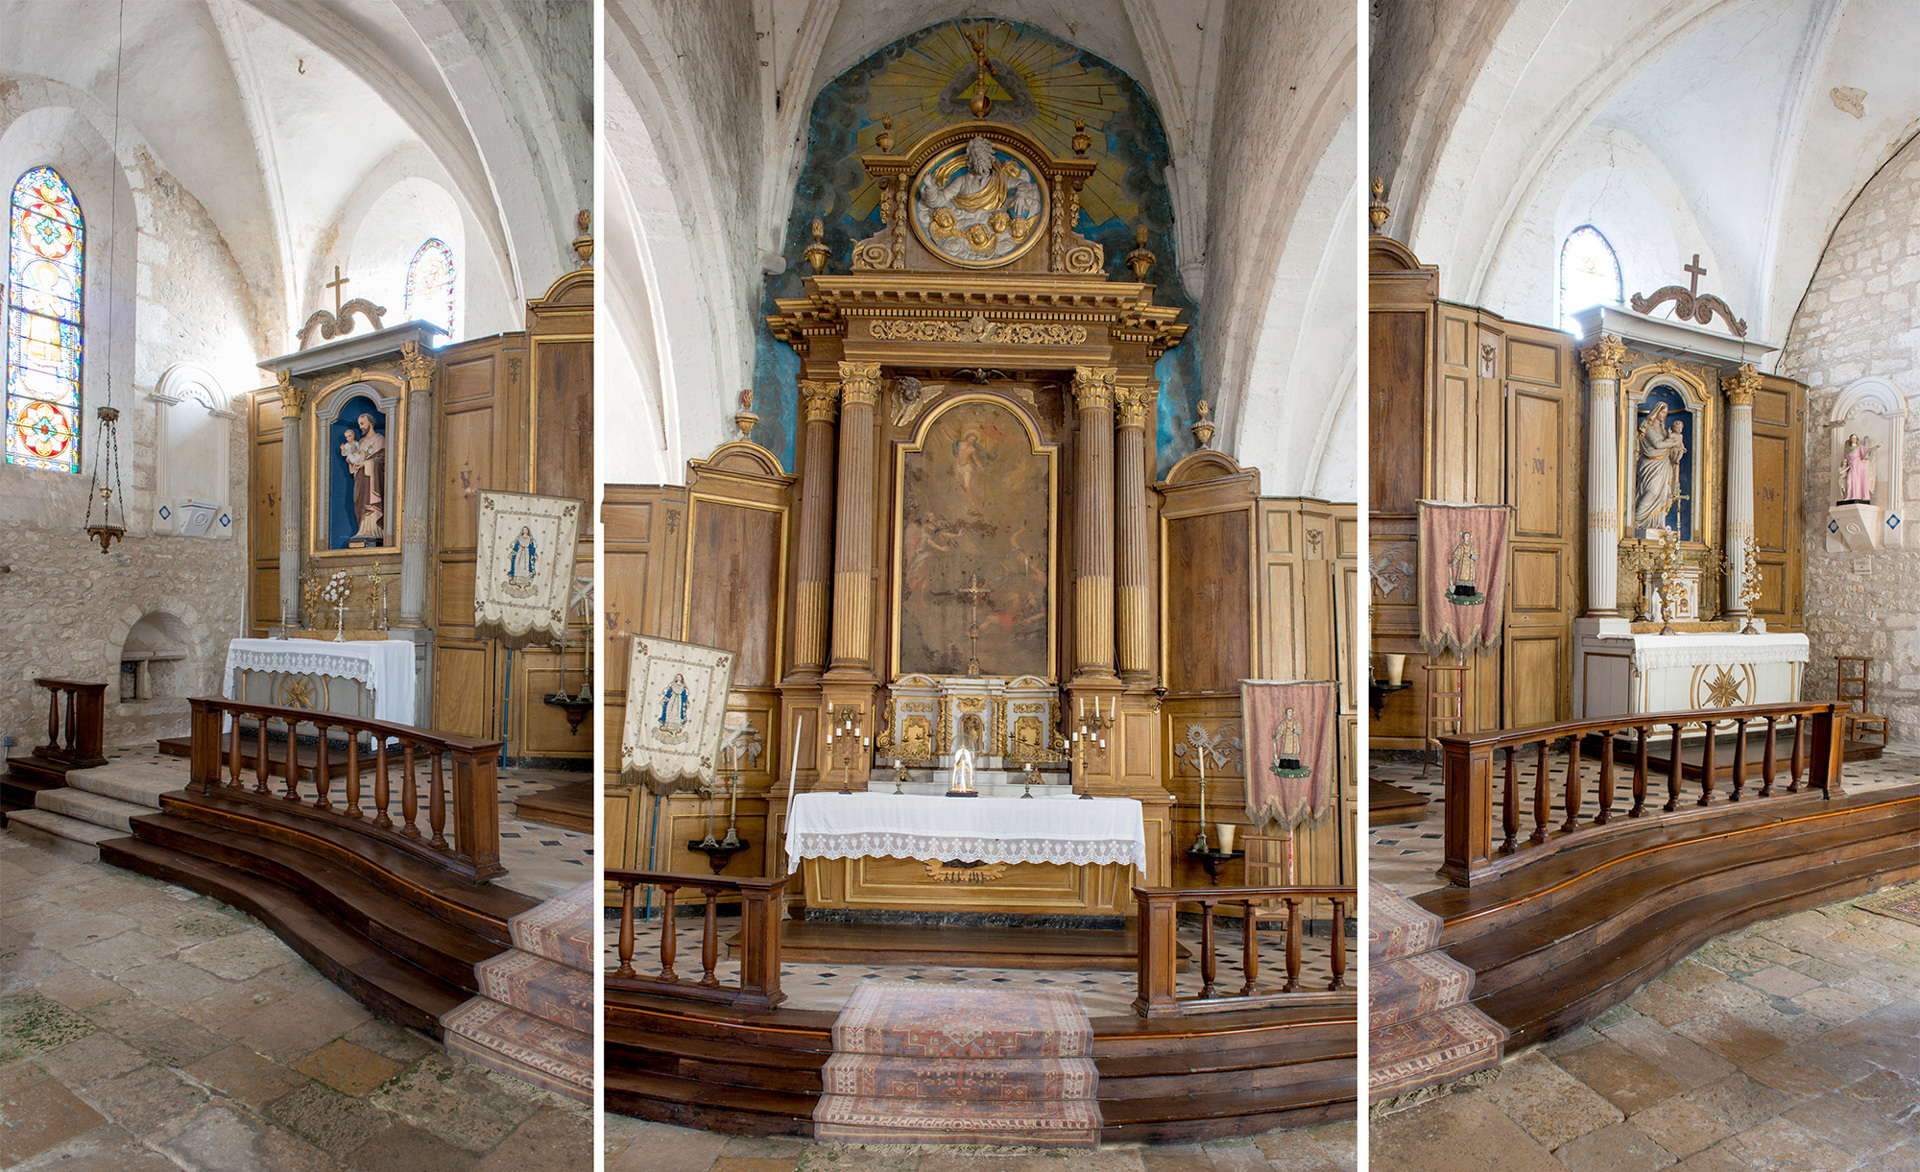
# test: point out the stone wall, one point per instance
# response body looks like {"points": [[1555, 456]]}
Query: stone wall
{"points": [[1860, 317]]}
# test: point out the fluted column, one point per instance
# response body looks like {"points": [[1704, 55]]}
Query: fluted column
{"points": [[1740, 387], [819, 405], [1093, 395], [293, 405], [1603, 360], [1138, 408], [853, 519], [420, 366]]}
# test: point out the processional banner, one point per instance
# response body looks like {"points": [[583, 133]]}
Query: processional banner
{"points": [[1463, 576], [1290, 758], [524, 567], [676, 714]]}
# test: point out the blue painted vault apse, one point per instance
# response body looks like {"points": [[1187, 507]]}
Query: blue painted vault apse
{"points": [[924, 81]]}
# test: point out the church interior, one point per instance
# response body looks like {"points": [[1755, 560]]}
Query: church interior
{"points": [[297, 584], [1641, 345], [977, 417]]}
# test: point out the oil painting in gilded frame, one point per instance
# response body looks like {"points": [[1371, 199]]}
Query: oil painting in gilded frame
{"points": [[356, 465], [1667, 416], [974, 532]]}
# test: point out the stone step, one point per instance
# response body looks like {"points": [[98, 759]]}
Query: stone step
{"points": [[111, 813], [539, 986], [531, 1048], [138, 782], [1456, 1041], [563, 928], [57, 832]]}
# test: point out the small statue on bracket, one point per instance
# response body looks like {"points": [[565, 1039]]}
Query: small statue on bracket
{"points": [[1856, 472]]}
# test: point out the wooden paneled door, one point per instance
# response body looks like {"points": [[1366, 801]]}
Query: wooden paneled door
{"points": [[1545, 484], [1779, 472]]}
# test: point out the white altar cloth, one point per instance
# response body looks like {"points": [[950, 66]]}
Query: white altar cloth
{"points": [[1629, 674], [384, 667], [989, 830]]}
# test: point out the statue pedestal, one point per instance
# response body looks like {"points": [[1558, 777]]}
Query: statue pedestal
{"points": [[1856, 528]]}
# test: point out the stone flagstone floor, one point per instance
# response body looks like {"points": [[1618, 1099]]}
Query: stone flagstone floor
{"points": [[633, 1145], [144, 1029]]}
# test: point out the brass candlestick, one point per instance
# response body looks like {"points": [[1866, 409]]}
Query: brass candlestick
{"points": [[844, 736], [1749, 586], [1669, 577], [1092, 728]]}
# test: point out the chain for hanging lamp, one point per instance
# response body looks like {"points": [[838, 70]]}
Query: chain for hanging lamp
{"points": [[106, 483]]}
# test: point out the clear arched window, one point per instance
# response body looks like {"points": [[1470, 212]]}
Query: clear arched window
{"points": [[1589, 274], [45, 243], [430, 285]]}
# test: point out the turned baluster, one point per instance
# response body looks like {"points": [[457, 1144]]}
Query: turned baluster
{"points": [[1606, 779], [53, 719], [324, 768], [626, 929], [1293, 945], [1510, 805], [293, 761], [1739, 758], [1206, 949], [381, 794], [1339, 942], [1573, 786], [1542, 802], [68, 742], [235, 776], [437, 804], [1639, 774], [409, 797], [667, 893], [1249, 947], [710, 942], [262, 768], [1767, 762], [353, 774], [1674, 765], [1799, 759], [1709, 763]]}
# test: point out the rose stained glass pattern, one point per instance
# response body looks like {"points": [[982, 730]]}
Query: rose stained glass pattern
{"points": [[430, 285], [45, 258]]}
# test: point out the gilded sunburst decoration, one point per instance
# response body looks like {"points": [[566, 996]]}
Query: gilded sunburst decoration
{"points": [[1724, 690]]}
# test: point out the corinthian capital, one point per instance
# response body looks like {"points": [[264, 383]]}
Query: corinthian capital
{"points": [[1604, 357], [1137, 406], [860, 383], [1741, 385], [819, 400], [419, 366], [1093, 387], [293, 396]]}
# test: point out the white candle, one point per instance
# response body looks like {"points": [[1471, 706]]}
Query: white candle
{"points": [[793, 774]]}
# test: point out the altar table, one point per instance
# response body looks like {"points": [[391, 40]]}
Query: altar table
{"points": [[382, 668], [916, 852], [1630, 674]]}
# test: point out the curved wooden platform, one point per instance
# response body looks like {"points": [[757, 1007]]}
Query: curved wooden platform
{"points": [[400, 936], [758, 1073], [1558, 942]]}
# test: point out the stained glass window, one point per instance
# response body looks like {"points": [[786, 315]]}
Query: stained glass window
{"points": [[1589, 275], [45, 245], [430, 285]]}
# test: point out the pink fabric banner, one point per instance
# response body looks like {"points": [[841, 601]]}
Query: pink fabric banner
{"points": [[1290, 757], [1463, 576]]}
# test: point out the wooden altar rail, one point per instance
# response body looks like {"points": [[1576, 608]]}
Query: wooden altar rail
{"points": [[1473, 826], [77, 741], [1158, 922], [760, 904], [463, 768]]}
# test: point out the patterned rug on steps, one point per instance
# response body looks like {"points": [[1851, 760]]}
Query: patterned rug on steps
{"points": [[1899, 903], [952, 1064], [533, 1018], [1421, 1028]]}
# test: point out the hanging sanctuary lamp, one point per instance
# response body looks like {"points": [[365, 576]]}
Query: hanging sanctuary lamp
{"points": [[106, 484]]}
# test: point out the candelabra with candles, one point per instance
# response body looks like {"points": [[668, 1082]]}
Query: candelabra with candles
{"points": [[1670, 582], [1749, 587], [1092, 731], [845, 742]]}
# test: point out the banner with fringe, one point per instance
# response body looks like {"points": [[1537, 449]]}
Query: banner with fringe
{"points": [[523, 567], [1290, 755], [1463, 576], [676, 714]]}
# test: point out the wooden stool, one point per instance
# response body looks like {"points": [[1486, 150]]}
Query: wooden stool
{"points": [[1438, 700], [1866, 733]]}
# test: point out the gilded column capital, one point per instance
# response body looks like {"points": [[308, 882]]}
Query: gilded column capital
{"points": [[293, 396], [860, 383], [1137, 406], [1093, 387], [820, 400], [1604, 357], [1741, 385], [420, 366]]}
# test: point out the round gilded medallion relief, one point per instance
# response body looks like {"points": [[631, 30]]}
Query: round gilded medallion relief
{"points": [[979, 205]]}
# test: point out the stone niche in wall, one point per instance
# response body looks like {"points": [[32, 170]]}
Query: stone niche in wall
{"points": [[1876, 411], [192, 485]]}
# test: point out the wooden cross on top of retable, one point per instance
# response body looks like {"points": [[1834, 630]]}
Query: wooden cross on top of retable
{"points": [[1698, 270], [973, 594], [1690, 302], [339, 322]]}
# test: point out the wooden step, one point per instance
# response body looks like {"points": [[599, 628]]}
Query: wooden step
{"points": [[1228, 1114], [1392, 804], [570, 807], [307, 754], [687, 1102], [1862, 750], [811, 942], [34, 773], [379, 980]]}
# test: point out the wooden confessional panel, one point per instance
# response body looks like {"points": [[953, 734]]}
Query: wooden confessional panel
{"points": [[1544, 484], [266, 431], [1779, 490], [1207, 644]]}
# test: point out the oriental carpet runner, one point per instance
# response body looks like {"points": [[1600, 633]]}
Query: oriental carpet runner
{"points": [[533, 1018], [958, 1065], [1900, 903], [1421, 1028]]}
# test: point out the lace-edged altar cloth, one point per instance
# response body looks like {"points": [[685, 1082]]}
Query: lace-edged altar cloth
{"points": [[988, 830], [384, 667]]}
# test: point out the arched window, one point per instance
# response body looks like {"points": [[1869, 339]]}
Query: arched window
{"points": [[1589, 274], [430, 285], [45, 243]]}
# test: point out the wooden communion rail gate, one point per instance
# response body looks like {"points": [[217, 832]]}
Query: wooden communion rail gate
{"points": [[1482, 842], [76, 729], [459, 776]]}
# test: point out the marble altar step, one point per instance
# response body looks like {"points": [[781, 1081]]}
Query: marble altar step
{"points": [[95, 805], [72, 837], [808, 942]]}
